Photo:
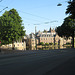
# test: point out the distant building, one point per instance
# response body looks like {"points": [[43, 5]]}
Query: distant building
{"points": [[31, 41], [19, 45], [46, 37]]}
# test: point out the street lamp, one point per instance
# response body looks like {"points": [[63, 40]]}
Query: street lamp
{"points": [[60, 4]]}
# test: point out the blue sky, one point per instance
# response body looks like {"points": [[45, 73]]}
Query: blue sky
{"points": [[40, 13]]}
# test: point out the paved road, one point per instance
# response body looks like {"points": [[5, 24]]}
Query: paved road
{"points": [[48, 62]]}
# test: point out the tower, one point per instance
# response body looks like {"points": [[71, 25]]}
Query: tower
{"points": [[50, 29]]}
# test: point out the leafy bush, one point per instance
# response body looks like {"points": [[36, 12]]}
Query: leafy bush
{"points": [[56, 43], [47, 44], [51, 43], [68, 43], [41, 43]]}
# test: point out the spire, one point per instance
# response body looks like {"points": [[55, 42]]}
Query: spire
{"points": [[50, 29]]}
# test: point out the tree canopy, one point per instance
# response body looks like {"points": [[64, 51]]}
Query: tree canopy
{"points": [[71, 8], [41, 43], [46, 44], [45, 31], [11, 27], [67, 28]]}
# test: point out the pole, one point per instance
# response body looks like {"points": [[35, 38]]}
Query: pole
{"points": [[35, 39]]}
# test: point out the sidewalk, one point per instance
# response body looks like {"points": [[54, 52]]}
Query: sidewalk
{"points": [[14, 53]]}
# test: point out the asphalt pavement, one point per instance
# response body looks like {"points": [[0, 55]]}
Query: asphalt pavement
{"points": [[40, 62], [67, 68]]}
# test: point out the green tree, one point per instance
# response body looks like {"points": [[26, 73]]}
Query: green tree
{"points": [[56, 43], [50, 43], [71, 8], [45, 31], [41, 43], [11, 27], [67, 28], [47, 44]]}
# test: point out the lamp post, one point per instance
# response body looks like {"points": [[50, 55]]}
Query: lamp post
{"points": [[35, 39]]}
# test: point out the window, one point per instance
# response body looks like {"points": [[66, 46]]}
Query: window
{"points": [[10, 45], [18, 45], [42, 35]]}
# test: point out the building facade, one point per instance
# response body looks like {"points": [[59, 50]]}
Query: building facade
{"points": [[46, 37], [19, 45]]}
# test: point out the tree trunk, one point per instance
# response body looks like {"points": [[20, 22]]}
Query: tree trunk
{"points": [[12, 45], [73, 40]]}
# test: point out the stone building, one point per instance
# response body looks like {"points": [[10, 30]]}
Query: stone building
{"points": [[46, 37], [18, 45], [31, 42]]}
